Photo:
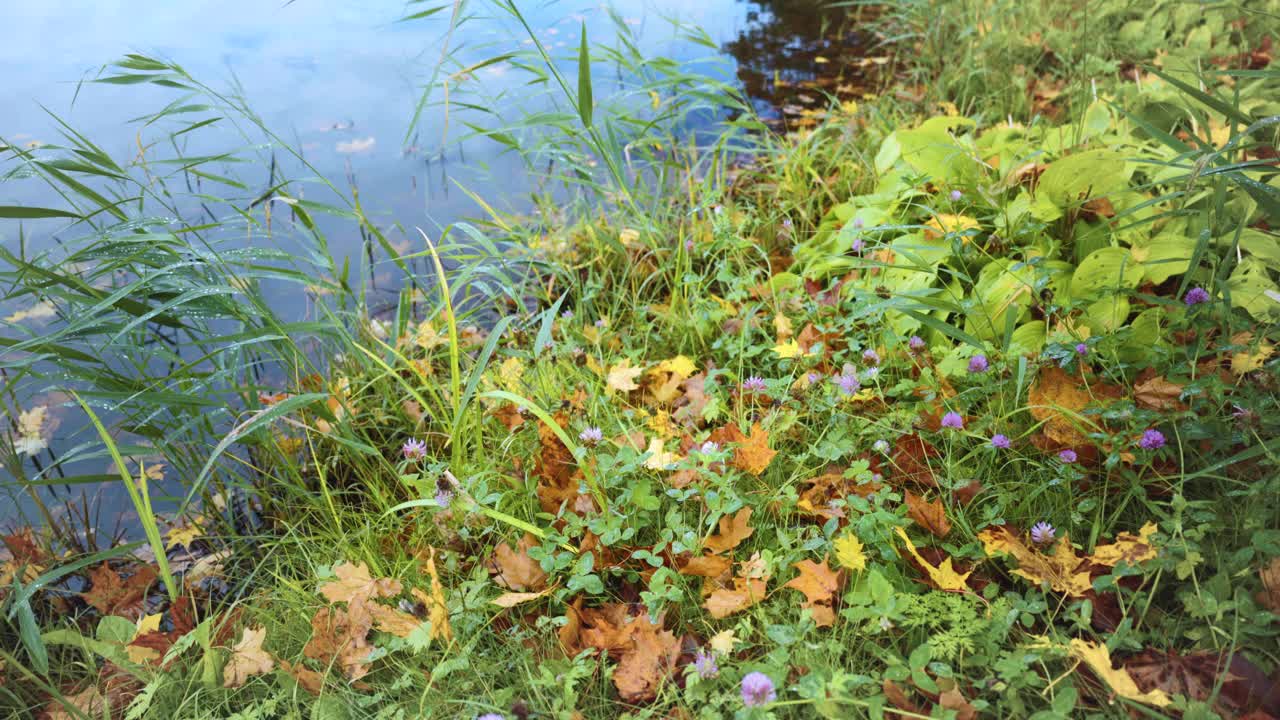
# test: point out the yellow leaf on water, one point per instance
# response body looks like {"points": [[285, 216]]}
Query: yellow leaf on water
{"points": [[32, 431], [849, 552], [39, 311], [943, 576], [183, 536]]}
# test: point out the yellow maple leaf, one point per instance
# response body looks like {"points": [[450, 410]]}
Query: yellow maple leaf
{"points": [[438, 612], [722, 642], [782, 326], [622, 377], [247, 659], [1128, 548], [849, 552], [1245, 362], [1098, 658], [184, 535], [658, 458], [942, 223], [678, 365], [943, 576], [32, 431], [510, 372], [789, 349]]}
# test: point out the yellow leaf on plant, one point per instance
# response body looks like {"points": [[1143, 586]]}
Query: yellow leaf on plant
{"points": [[849, 552], [944, 576], [622, 377]]}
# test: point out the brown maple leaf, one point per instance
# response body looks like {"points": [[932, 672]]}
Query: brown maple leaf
{"points": [[689, 408], [645, 665], [514, 569], [819, 583], [823, 489], [354, 584], [1156, 392], [911, 460], [114, 594], [929, 515], [509, 415], [710, 566], [745, 592], [340, 637], [308, 679], [733, 530], [1058, 400], [753, 455]]}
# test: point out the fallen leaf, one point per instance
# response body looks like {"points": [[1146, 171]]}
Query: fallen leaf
{"points": [[1158, 393], [183, 536], [1127, 548], [929, 515], [38, 311], [944, 576], [753, 454], [340, 637], [512, 568], [646, 664], [512, 599], [354, 583], [911, 460], [733, 530], [942, 223], [745, 592], [32, 431], [722, 642], [711, 566], [1063, 571], [1057, 399], [1195, 676], [1098, 658], [114, 594], [1247, 361], [622, 377], [787, 350], [849, 552], [437, 608], [658, 458], [678, 365], [819, 584], [310, 680], [694, 402], [1270, 595], [247, 659]]}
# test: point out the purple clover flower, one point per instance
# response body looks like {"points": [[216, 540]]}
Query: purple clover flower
{"points": [[1151, 440], [813, 377], [755, 383], [953, 420], [1068, 456], [848, 382], [857, 245], [956, 195], [567, 314], [709, 447], [1042, 533], [444, 497], [491, 716], [871, 356], [1000, 441], [414, 449], [916, 343], [688, 245], [1195, 296], [1082, 349], [591, 435], [757, 689], [881, 446], [857, 223], [978, 364], [705, 663]]}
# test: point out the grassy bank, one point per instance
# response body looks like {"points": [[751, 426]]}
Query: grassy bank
{"points": [[961, 403]]}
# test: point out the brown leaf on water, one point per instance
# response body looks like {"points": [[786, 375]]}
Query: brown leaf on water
{"points": [[512, 568], [733, 530], [819, 583], [247, 659], [354, 583], [1156, 392], [1270, 595], [929, 515], [114, 594]]}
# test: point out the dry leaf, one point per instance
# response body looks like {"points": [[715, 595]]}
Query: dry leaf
{"points": [[1064, 571], [437, 608], [340, 637], [512, 599], [1056, 399], [658, 458], [1245, 362], [1158, 393], [247, 659], [514, 569], [354, 583], [929, 515], [710, 566], [112, 594], [647, 663], [389, 620], [1098, 658], [745, 592], [733, 530], [944, 576], [819, 583], [1270, 595], [694, 401], [722, 642], [32, 433], [678, 365], [1127, 548], [622, 377], [310, 680]]}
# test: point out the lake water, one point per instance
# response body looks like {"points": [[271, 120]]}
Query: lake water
{"points": [[340, 80]]}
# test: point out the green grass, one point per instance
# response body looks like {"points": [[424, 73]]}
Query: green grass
{"points": [[678, 256]]}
